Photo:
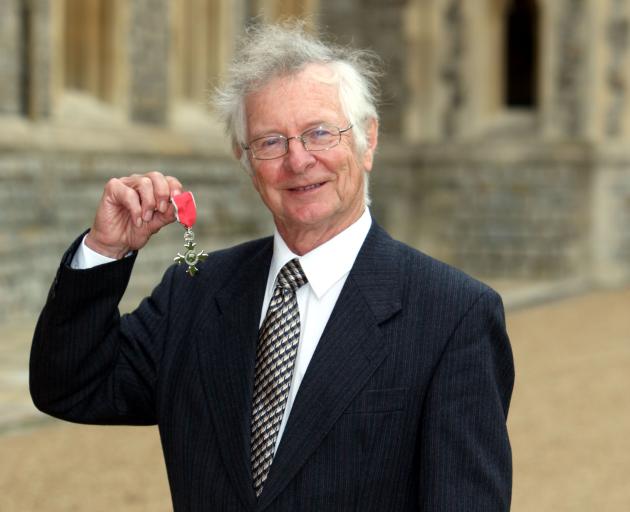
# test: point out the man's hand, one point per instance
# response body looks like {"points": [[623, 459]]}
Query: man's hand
{"points": [[131, 210]]}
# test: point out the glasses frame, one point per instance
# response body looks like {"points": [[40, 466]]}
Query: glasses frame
{"points": [[247, 147]]}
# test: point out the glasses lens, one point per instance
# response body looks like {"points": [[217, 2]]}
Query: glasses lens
{"points": [[324, 136], [272, 146]]}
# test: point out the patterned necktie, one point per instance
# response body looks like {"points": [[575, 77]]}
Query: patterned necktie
{"points": [[278, 340]]}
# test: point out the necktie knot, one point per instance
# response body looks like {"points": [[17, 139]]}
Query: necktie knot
{"points": [[291, 276]]}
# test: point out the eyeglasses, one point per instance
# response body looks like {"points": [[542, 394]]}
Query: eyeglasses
{"points": [[319, 138]]}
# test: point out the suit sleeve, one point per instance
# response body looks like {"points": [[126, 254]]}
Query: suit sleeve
{"points": [[87, 365], [466, 462]]}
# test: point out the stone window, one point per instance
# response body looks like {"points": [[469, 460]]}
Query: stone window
{"points": [[204, 33], [521, 66], [89, 47], [202, 46]]}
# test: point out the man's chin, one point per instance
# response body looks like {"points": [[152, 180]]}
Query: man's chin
{"points": [[308, 216]]}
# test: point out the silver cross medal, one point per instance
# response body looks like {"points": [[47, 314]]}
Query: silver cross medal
{"points": [[186, 214]]}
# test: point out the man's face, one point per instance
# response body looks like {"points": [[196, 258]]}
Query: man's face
{"points": [[317, 191]]}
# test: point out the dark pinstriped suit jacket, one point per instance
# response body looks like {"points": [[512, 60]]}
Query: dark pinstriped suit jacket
{"points": [[403, 406]]}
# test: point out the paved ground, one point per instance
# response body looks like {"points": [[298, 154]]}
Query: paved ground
{"points": [[569, 424], [16, 408], [570, 419]]}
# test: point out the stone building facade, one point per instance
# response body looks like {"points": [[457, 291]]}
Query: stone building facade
{"points": [[505, 128]]}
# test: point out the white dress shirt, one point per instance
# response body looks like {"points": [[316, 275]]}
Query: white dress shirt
{"points": [[85, 257], [326, 268]]}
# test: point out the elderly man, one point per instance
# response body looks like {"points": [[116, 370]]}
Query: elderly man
{"points": [[326, 368]]}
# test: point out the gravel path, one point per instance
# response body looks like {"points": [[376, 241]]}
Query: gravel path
{"points": [[570, 418], [569, 423]]}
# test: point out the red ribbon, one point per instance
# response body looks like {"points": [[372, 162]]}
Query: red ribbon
{"points": [[185, 209]]}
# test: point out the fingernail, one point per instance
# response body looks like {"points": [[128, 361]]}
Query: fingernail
{"points": [[162, 206], [148, 216]]}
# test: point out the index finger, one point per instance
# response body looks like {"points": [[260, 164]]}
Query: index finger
{"points": [[174, 185], [175, 188]]}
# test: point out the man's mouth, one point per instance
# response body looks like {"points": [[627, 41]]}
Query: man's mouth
{"points": [[306, 188]]}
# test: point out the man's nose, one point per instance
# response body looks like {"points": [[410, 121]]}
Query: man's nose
{"points": [[298, 157], [298, 140]]}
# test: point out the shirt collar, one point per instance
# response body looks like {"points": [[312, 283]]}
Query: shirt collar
{"points": [[327, 263]]}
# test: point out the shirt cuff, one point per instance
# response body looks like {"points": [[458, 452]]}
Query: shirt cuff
{"points": [[85, 258]]}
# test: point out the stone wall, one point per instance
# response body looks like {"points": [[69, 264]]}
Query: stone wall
{"points": [[49, 198], [534, 212], [543, 194], [517, 211], [611, 217]]}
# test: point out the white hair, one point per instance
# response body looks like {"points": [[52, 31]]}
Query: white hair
{"points": [[268, 51]]}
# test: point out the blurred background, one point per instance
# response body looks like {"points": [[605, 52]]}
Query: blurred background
{"points": [[504, 150]]}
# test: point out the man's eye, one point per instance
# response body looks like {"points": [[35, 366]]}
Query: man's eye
{"points": [[320, 133], [269, 142]]}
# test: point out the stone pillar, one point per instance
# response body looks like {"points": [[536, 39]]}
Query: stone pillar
{"points": [[382, 30], [616, 74], [420, 120], [9, 57], [451, 71], [149, 60], [340, 18], [376, 25], [570, 47], [40, 59]]}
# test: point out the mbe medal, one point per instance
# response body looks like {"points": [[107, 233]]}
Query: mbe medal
{"points": [[186, 214]]}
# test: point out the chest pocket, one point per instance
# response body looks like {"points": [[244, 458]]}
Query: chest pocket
{"points": [[378, 400]]}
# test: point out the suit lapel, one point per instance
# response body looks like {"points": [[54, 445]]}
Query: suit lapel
{"points": [[227, 351], [349, 351]]}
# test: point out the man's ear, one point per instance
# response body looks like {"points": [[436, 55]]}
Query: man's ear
{"points": [[237, 150], [372, 141]]}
